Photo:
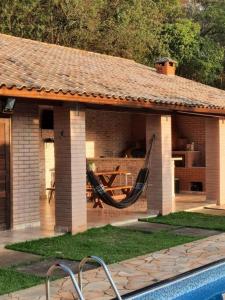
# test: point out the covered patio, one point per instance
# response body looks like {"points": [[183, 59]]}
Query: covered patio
{"points": [[75, 135], [72, 108], [106, 140]]}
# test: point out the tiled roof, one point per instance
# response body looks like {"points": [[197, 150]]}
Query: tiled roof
{"points": [[45, 67]]}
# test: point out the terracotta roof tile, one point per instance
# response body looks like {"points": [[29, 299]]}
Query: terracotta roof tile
{"points": [[40, 66]]}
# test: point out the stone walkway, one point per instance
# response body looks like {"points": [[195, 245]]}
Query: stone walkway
{"points": [[21, 235], [178, 230], [12, 258], [41, 267], [135, 273]]}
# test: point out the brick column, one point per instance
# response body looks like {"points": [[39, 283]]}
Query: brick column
{"points": [[25, 166], [160, 191], [215, 160], [70, 169]]}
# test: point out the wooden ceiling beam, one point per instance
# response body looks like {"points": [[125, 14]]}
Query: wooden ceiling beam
{"points": [[126, 103]]}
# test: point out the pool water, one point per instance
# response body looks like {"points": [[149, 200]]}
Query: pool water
{"points": [[205, 284]]}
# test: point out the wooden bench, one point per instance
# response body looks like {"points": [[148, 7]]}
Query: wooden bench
{"points": [[113, 188], [107, 178], [125, 189]]}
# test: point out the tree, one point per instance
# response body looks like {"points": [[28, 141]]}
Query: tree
{"points": [[50, 20], [129, 28], [199, 58], [182, 39], [206, 64], [211, 17]]}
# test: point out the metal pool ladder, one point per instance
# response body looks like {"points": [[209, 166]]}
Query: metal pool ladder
{"points": [[68, 271], [78, 285]]}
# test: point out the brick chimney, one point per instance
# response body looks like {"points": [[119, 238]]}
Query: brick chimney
{"points": [[166, 66]]}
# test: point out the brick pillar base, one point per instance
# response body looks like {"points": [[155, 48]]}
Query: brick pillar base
{"points": [[70, 170], [215, 160], [160, 192]]}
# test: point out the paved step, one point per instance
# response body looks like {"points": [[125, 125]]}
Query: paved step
{"points": [[11, 258], [40, 268], [198, 232], [149, 227], [156, 227]]}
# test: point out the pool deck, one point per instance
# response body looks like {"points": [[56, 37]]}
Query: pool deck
{"points": [[134, 273]]}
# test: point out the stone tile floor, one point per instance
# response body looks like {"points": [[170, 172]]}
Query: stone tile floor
{"points": [[191, 201], [21, 235], [12, 258], [101, 217], [134, 273]]}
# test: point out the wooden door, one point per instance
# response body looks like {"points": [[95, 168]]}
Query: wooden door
{"points": [[4, 174]]}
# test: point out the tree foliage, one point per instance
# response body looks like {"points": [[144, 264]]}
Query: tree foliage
{"points": [[141, 30]]}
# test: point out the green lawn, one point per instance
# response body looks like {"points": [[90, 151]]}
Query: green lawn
{"points": [[11, 280], [191, 219], [113, 244]]}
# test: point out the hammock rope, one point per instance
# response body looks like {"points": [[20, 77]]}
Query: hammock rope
{"points": [[136, 190]]}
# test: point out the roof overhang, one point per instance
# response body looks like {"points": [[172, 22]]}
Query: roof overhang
{"points": [[109, 101]]}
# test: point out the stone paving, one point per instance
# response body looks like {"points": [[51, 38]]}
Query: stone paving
{"points": [[197, 232], [11, 258], [134, 273], [21, 235], [40, 268], [149, 227], [178, 230]]}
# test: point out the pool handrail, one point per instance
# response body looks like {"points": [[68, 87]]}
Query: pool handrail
{"points": [[105, 268], [71, 275]]}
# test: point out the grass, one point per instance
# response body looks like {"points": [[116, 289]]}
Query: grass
{"points": [[113, 244], [191, 219], [11, 280]]}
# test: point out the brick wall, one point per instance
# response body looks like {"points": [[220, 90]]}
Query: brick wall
{"points": [[138, 128], [188, 175], [25, 183], [192, 128], [109, 133]]}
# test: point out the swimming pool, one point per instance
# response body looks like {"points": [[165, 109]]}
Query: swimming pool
{"points": [[207, 283]]}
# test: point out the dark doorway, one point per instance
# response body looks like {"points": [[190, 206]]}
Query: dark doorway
{"points": [[196, 186]]}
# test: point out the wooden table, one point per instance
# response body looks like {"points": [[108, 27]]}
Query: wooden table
{"points": [[108, 178]]}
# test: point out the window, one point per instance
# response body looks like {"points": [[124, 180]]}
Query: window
{"points": [[47, 119]]}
